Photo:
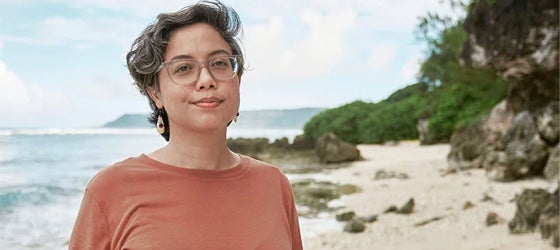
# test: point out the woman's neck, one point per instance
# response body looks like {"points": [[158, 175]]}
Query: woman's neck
{"points": [[196, 150]]}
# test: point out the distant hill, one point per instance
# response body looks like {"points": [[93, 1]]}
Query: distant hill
{"points": [[129, 121], [274, 118]]}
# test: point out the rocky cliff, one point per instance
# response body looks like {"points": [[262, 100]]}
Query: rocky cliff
{"points": [[519, 40], [519, 139]]}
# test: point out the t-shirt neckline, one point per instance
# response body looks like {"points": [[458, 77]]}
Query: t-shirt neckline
{"points": [[225, 173]]}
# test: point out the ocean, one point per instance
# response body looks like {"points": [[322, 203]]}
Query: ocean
{"points": [[43, 173]]}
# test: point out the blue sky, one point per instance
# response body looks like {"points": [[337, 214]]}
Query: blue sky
{"points": [[62, 62]]}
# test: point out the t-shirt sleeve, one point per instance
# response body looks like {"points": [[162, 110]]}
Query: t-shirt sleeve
{"points": [[292, 214], [91, 230]]}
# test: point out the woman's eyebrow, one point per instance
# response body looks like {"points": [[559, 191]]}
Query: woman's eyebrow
{"points": [[179, 57], [213, 53], [219, 52]]}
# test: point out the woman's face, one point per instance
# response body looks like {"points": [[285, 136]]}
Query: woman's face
{"points": [[205, 104]]}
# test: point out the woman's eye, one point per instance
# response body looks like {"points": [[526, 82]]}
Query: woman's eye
{"points": [[220, 63], [182, 68]]}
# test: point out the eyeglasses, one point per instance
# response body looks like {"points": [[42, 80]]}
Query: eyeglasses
{"points": [[187, 71]]}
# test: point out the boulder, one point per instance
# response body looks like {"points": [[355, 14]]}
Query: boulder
{"points": [[303, 142], [467, 146], [529, 207], [537, 208], [552, 165], [547, 121], [526, 152], [330, 149], [346, 216], [355, 226], [479, 145]]}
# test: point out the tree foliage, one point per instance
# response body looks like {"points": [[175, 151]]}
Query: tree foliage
{"points": [[448, 93]]}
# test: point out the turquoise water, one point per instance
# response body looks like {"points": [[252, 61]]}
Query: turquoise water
{"points": [[43, 174]]}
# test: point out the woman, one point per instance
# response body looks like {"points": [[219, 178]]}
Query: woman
{"points": [[194, 193]]}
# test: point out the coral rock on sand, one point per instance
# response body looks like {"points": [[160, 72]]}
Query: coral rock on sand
{"points": [[407, 208], [493, 218], [346, 216], [537, 207], [355, 226], [331, 149]]}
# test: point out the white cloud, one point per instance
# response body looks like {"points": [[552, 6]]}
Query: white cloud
{"points": [[275, 50], [387, 15], [18, 97], [409, 72], [381, 57], [316, 43], [81, 32], [146, 8]]}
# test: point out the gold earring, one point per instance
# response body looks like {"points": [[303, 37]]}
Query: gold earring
{"points": [[160, 125]]}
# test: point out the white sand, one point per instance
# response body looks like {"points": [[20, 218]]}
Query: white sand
{"points": [[434, 195]]}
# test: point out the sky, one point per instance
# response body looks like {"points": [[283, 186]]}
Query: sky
{"points": [[62, 62]]}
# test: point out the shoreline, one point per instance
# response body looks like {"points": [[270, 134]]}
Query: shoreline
{"points": [[435, 194]]}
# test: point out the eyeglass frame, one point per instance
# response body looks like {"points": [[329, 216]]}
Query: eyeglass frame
{"points": [[200, 66]]}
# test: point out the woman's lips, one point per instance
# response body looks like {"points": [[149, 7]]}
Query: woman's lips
{"points": [[208, 102]]}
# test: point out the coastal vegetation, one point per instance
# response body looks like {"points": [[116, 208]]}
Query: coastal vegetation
{"points": [[448, 95], [510, 128]]}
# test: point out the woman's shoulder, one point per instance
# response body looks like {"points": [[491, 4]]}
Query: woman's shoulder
{"points": [[114, 174], [259, 164], [262, 167]]}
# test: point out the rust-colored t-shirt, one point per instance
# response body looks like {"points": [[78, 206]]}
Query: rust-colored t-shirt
{"points": [[141, 203]]}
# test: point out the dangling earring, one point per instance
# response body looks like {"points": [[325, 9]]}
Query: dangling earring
{"points": [[235, 118], [160, 125]]}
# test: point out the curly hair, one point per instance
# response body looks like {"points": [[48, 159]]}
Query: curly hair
{"points": [[147, 52]]}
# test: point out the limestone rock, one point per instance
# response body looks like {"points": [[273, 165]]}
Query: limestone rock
{"points": [[331, 149], [468, 205], [530, 205], [467, 145], [303, 142], [391, 209], [547, 120], [549, 220], [553, 165], [526, 152], [408, 207], [355, 226], [346, 216], [479, 145], [383, 174], [493, 218], [315, 194]]}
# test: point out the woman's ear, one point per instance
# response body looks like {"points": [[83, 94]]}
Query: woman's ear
{"points": [[155, 96]]}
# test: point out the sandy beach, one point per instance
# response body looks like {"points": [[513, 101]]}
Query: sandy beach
{"points": [[436, 194]]}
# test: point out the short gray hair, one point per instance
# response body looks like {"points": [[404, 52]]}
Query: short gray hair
{"points": [[147, 52]]}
